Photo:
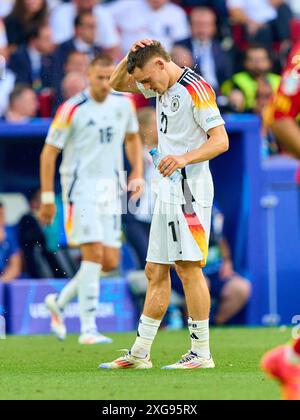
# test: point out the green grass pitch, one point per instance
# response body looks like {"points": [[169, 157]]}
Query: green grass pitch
{"points": [[34, 368]]}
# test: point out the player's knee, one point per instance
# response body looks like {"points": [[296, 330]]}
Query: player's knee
{"points": [[240, 288], [94, 254], [156, 274], [183, 275], [110, 264]]}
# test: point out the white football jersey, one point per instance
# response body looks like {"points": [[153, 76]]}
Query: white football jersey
{"points": [[185, 114], [91, 135]]}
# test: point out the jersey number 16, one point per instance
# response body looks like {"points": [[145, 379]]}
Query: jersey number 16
{"points": [[106, 135]]}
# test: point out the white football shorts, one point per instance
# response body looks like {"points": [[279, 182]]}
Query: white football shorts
{"points": [[178, 234], [90, 222]]}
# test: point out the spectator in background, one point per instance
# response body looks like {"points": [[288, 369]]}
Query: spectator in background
{"points": [[244, 88], [221, 11], [265, 21], [10, 257], [219, 6], [84, 41], [73, 84], [182, 56], [154, 19], [76, 62], [23, 105], [7, 78], [211, 60], [33, 62], [26, 15], [62, 21]]}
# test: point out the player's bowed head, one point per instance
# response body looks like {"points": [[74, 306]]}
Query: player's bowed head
{"points": [[152, 66], [149, 64]]}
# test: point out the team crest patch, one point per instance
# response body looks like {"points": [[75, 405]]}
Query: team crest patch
{"points": [[175, 104]]}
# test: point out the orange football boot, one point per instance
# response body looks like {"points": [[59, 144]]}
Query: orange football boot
{"points": [[276, 364]]}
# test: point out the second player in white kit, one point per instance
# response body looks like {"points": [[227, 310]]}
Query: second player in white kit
{"points": [[90, 129]]}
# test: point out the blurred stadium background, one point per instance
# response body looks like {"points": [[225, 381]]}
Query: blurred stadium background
{"points": [[240, 47]]}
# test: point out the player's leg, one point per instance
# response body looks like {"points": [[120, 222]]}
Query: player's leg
{"points": [[287, 131], [157, 298], [198, 303], [194, 228], [111, 259], [84, 230], [89, 292], [86, 286], [159, 284], [234, 296], [283, 365], [56, 303], [156, 305]]}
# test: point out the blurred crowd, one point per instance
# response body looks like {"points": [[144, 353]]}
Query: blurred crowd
{"points": [[239, 46]]}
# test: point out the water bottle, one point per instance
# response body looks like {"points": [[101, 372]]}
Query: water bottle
{"points": [[176, 177]]}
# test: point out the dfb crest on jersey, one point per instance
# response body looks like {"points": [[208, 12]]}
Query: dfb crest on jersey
{"points": [[175, 104]]}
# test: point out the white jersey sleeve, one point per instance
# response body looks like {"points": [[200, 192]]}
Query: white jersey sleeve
{"points": [[205, 108], [62, 126], [147, 93]]}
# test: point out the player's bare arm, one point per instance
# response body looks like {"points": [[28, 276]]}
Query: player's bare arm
{"points": [[217, 144], [121, 80], [134, 153], [287, 131], [47, 174], [13, 270]]}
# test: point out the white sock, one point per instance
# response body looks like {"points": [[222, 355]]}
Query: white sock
{"points": [[147, 331], [88, 294], [199, 331], [69, 292]]}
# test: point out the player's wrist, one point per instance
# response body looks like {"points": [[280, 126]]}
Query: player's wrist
{"points": [[188, 158], [48, 197]]}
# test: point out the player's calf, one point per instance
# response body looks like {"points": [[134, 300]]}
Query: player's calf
{"points": [[57, 319]]}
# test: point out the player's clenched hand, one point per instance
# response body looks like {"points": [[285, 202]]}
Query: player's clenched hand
{"points": [[170, 164], [141, 44], [47, 213]]}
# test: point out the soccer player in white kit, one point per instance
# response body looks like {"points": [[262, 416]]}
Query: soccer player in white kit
{"points": [[191, 132], [90, 129]]}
